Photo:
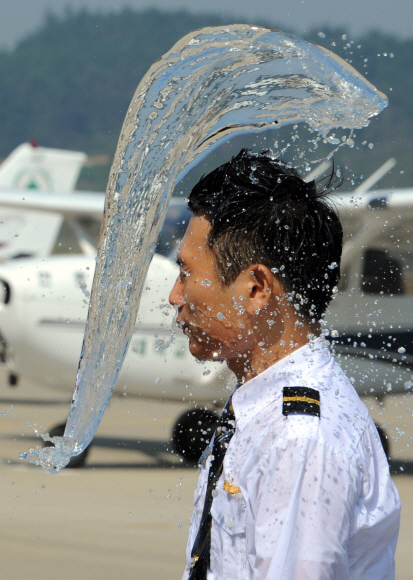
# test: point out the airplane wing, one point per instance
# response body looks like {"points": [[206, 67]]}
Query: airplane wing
{"points": [[351, 207], [30, 221], [69, 204], [388, 199]]}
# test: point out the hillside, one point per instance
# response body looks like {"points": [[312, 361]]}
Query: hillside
{"points": [[69, 85]]}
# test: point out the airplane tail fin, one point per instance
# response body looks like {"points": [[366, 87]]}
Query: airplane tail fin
{"points": [[41, 168], [29, 167]]}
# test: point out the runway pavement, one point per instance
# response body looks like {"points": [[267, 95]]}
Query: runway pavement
{"points": [[126, 514]]}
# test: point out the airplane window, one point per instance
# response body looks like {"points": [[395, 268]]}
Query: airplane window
{"points": [[382, 273], [67, 240]]}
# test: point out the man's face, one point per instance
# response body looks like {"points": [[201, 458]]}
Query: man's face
{"points": [[208, 312]]}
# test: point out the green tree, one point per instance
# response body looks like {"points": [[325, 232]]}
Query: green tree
{"points": [[70, 83]]}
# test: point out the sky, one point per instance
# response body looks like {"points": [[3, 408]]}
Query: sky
{"points": [[18, 18]]}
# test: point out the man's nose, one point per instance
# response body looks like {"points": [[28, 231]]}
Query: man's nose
{"points": [[176, 297]]}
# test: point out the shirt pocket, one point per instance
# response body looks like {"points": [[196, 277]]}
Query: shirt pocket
{"points": [[228, 548], [229, 511]]}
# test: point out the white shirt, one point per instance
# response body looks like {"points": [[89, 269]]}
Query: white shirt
{"points": [[301, 497]]}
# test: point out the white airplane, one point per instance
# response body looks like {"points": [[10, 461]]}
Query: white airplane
{"points": [[44, 299], [44, 296]]}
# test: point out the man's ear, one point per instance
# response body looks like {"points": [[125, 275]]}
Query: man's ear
{"points": [[262, 287]]}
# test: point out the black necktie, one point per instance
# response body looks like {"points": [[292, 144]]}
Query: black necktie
{"points": [[200, 554]]}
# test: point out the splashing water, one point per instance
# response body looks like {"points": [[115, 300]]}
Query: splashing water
{"points": [[213, 84]]}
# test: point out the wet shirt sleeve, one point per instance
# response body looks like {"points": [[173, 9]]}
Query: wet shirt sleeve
{"points": [[300, 514], [313, 514]]}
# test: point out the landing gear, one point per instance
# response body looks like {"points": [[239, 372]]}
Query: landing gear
{"points": [[77, 460], [13, 379], [192, 433]]}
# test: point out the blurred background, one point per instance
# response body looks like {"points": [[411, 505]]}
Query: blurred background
{"points": [[69, 69]]}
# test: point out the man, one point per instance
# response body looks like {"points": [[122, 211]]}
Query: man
{"points": [[299, 488]]}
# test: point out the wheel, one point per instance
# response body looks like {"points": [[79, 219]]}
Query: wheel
{"points": [[13, 379], [77, 460], [384, 440], [192, 432]]}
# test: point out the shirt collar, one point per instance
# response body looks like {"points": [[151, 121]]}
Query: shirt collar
{"points": [[252, 397]]}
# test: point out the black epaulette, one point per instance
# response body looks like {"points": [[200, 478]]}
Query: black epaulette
{"points": [[301, 400]]}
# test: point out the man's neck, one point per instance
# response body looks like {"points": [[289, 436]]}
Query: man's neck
{"points": [[269, 351]]}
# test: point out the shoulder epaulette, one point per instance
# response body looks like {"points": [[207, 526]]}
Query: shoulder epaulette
{"points": [[301, 400]]}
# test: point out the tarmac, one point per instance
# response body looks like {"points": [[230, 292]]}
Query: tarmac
{"points": [[126, 513]]}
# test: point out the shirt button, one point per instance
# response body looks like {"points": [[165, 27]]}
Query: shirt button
{"points": [[230, 522]]}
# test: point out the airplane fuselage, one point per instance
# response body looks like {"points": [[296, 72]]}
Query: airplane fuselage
{"points": [[49, 298]]}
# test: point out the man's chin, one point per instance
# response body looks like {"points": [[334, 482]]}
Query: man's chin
{"points": [[202, 352]]}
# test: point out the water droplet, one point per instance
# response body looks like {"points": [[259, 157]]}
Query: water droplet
{"points": [[401, 350]]}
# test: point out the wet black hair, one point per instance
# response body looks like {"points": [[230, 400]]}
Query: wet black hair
{"points": [[262, 212]]}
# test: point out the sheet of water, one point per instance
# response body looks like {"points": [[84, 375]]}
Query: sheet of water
{"points": [[213, 84]]}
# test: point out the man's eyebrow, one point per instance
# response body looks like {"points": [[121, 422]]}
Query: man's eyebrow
{"points": [[179, 261]]}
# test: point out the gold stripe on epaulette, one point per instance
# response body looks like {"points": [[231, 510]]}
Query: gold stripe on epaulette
{"points": [[231, 488], [306, 399]]}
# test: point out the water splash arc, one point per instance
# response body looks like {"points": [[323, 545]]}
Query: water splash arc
{"points": [[215, 83]]}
